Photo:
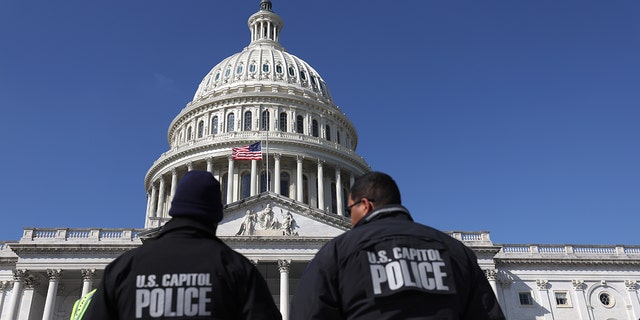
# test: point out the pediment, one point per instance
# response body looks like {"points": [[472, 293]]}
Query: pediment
{"points": [[272, 215]]}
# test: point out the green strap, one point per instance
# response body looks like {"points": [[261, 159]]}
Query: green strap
{"points": [[80, 306]]}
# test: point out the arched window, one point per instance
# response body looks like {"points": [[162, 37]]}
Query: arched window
{"points": [[189, 133], [252, 67], [282, 122], [327, 132], [214, 125], [292, 72], [265, 67], [285, 183], [264, 124], [279, 68], [230, 122], [200, 128], [223, 188], [345, 195], [314, 128], [305, 189], [263, 181], [245, 185], [247, 121], [299, 124], [334, 200], [239, 69], [338, 136]]}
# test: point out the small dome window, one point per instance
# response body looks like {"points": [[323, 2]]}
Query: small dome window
{"points": [[227, 72], [239, 69], [303, 75], [217, 76], [292, 71], [265, 67], [279, 69], [252, 68]]}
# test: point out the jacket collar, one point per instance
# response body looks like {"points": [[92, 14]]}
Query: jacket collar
{"points": [[187, 223], [385, 211]]}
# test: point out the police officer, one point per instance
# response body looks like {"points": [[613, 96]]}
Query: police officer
{"points": [[389, 267], [186, 272]]}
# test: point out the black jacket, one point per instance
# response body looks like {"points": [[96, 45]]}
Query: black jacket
{"points": [[389, 267], [186, 272]]}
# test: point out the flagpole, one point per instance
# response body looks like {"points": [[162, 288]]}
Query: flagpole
{"points": [[268, 184]]}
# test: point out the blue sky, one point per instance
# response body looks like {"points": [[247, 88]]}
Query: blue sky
{"points": [[521, 118]]}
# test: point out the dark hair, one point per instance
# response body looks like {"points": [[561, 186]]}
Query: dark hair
{"points": [[376, 186]]}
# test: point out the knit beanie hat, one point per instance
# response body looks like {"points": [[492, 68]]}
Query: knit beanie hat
{"points": [[198, 196]]}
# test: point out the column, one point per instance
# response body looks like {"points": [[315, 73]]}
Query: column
{"points": [[299, 181], [26, 301], [3, 290], [159, 210], [190, 166], [276, 173], [320, 185], [632, 288], [210, 164], [505, 284], [254, 176], [580, 299], [339, 200], [52, 293], [154, 198], [543, 297], [283, 265], [87, 280], [230, 181], [174, 185], [16, 293], [491, 275]]}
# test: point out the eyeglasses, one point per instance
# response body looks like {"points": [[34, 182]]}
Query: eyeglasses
{"points": [[355, 203]]}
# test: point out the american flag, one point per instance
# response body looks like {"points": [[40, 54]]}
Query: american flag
{"points": [[250, 152]]}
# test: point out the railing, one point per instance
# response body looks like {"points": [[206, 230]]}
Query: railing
{"points": [[257, 135], [68, 234], [577, 250]]}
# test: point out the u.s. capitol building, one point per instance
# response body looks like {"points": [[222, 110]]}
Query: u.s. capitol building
{"points": [[281, 209]]}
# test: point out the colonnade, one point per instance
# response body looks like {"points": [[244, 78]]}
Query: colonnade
{"points": [[24, 283], [314, 194], [22, 292]]}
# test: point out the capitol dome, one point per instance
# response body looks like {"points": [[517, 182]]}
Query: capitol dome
{"points": [[261, 94]]}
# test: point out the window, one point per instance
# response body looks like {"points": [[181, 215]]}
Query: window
{"points": [[292, 71], [525, 298], [338, 136], [285, 181], [264, 125], [252, 68], [562, 299], [265, 67], [299, 124], [239, 69], [227, 72], [606, 299], [214, 125], [305, 189], [200, 129], [230, 120], [327, 133], [217, 76], [282, 122], [263, 181], [189, 133], [223, 187], [314, 128], [334, 199], [303, 75], [279, 69], [245, 185], [247, 121], [313, 83]]}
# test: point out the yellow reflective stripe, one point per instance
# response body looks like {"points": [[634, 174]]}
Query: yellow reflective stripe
{"points": [[80, 306]]}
